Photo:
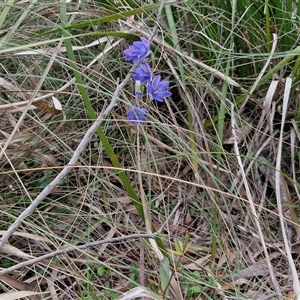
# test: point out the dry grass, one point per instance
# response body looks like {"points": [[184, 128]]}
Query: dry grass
{"points": [[241, 191]]}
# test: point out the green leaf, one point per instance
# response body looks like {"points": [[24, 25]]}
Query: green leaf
{"points": [[101, 271], [179, 246], [164, 274]]}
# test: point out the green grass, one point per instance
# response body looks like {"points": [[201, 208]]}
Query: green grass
{"points": [[222, 61]]}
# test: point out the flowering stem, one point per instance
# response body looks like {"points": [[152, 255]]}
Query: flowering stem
{"points": [[93, 116]]}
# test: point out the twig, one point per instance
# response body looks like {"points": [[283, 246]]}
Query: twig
{"points": [[93, 244], [84, 142], [49, 188]]}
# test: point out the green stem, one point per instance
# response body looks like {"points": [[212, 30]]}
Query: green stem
{"points": [[92, 114]]}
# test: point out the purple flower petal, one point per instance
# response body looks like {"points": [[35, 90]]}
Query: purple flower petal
{"points": [[163, 85], [155, 82], [143, 73], [137, 51], [137, 115], [158, 89], [128, 53], [138, 95]]}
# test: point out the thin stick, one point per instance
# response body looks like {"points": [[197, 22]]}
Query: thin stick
{"points": [[93, 244], [84, 142]]}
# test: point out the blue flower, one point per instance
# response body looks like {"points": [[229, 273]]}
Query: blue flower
{"points": [[137, 51], [143, 73], [158, 89], [139, 95], [137, 115]]}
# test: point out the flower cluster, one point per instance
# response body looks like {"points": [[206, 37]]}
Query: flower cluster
{"points": [[155, 87]]}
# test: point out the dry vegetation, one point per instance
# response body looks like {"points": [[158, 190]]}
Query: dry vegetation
{"points": [[215, 169]]}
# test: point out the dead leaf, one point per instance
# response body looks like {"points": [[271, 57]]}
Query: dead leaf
{"points": [[18, 295], [258, 269], [199, 263], [15, 251], [16, 284]]}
